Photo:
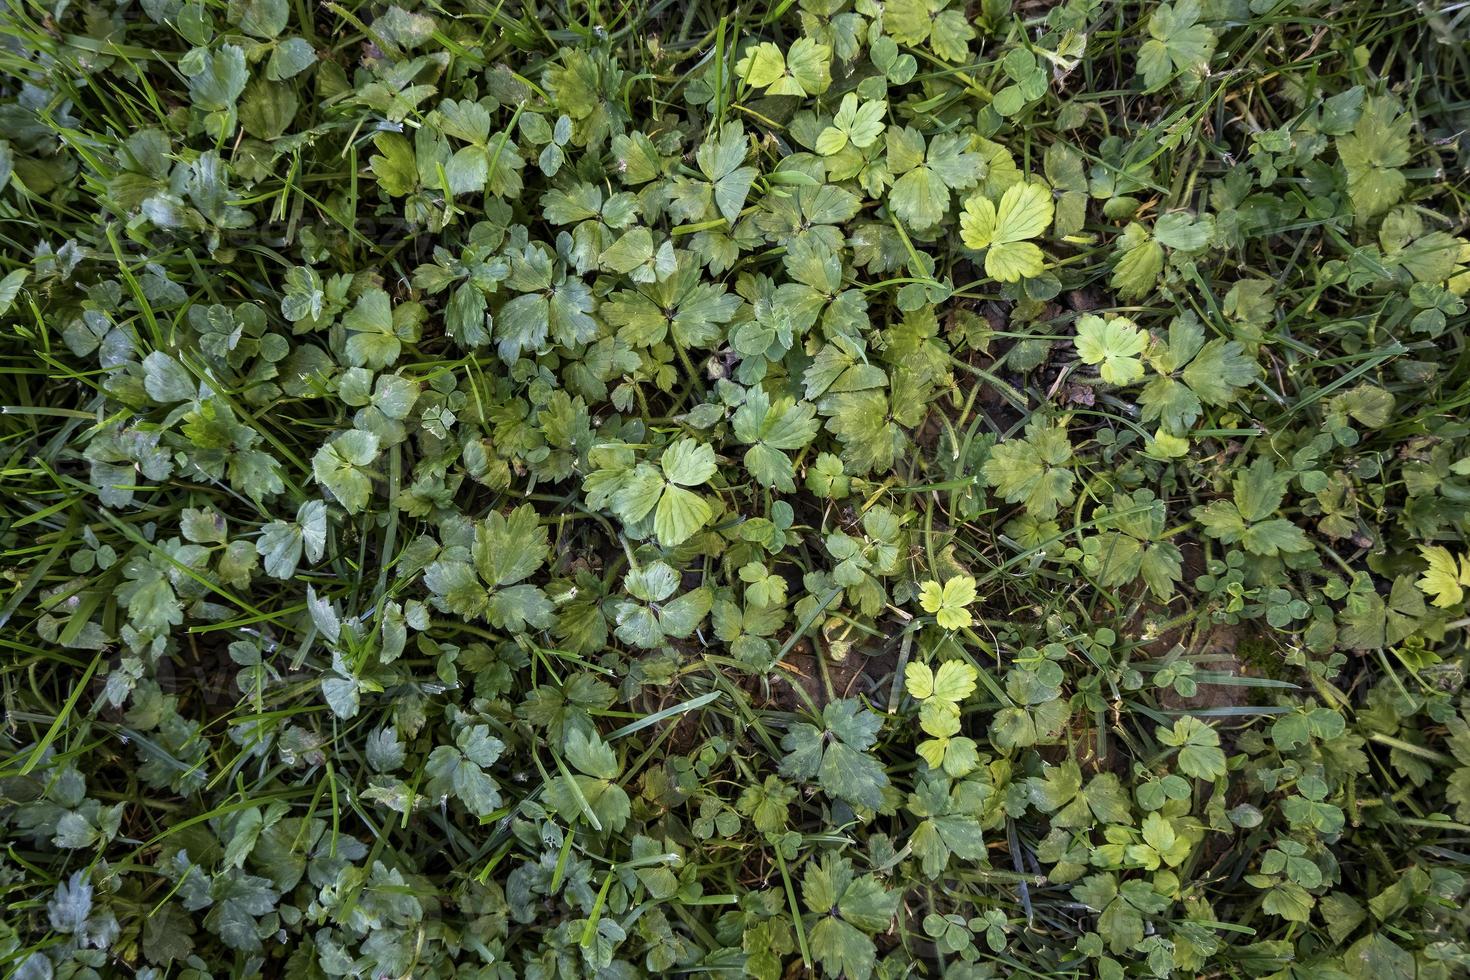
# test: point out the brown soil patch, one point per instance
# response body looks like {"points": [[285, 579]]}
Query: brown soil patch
{"points": [[867, 670], [1216, 653]]}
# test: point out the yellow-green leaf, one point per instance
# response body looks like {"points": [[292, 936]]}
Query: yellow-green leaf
{"points": [[1444, 580]]}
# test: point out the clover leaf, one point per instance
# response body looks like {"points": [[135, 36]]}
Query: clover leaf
{"points": [[166, 380]]}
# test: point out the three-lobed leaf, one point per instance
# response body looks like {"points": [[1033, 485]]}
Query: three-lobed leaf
{"points": [[1025, 211], [805, 68], [1114, 345], [949, 603]]}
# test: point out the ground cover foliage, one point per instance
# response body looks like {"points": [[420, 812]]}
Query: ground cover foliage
{"points": [[826, 488]]}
